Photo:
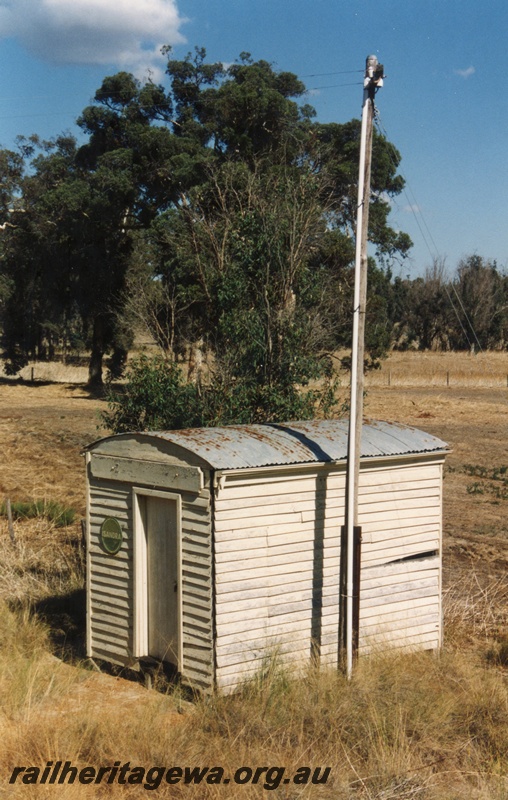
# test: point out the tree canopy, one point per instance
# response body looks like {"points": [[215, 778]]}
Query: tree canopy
{"points": [[217, 210]]}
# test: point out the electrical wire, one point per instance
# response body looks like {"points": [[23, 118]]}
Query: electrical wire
{"points": [[332, 86], [327, 74], [311, 75], [64, 113], [434, 253], [412, 202], [467, 316]]}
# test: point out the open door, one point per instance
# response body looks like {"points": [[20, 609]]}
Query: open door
{"points": [[158, 577]]}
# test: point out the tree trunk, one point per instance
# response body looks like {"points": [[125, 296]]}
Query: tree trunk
{"points": [[97, 354]]}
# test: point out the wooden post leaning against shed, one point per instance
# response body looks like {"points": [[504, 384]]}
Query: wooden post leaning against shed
{"points": [[373, 81], [357, 567]]}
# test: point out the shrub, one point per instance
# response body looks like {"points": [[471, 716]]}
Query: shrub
{"points": [[158, 398], [51, 510]]}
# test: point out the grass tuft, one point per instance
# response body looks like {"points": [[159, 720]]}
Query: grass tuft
{"points": [[55, 512]]}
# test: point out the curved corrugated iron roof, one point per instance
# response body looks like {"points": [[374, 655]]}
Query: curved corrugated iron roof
{"points": [[270, 444]]}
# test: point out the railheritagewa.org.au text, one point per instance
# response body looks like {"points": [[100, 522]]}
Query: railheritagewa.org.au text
{"points": [[150, 778]]}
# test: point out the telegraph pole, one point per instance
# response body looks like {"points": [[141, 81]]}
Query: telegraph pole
{"points": [[351, 534]]}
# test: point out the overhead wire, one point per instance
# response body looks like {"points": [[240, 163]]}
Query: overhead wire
{"points": [[39, 114], [434, 254], [159, 105], [332, 86], [467, 316], [419, 218], [65, 113], [327, 74]]}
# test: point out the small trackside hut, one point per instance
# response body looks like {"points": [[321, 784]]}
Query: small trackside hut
{"points": [[211, 548]]}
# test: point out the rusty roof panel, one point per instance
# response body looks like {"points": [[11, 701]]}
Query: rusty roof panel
{"points": [[240, 446]]}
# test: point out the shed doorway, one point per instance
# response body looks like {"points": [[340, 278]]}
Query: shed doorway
{"points": [[158, 570]]}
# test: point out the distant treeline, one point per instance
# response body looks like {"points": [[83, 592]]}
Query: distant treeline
{"points": [[467, 311]]}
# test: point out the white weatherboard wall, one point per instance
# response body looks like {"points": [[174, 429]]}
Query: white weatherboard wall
{"points": [[400, 511], [114, 594], [277, 562], [257, 548]]}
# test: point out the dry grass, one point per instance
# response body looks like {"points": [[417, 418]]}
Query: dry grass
{"points": [[475, 611], [485, 369], [408, 368], [408, 726], [54, 372], [43, 429], [45, 561]]}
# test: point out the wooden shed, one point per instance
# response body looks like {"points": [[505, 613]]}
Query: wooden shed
{"points": [[208, 548]]}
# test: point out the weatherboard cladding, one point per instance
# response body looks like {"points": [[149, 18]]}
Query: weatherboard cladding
{"points": [[270, 576], [244, 446], [111, 579], [277, 561]]}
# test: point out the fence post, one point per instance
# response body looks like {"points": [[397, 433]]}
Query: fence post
{"points": [[10, 524]]}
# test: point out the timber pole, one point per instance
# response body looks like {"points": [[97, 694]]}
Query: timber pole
{"points": [[349, 589]]}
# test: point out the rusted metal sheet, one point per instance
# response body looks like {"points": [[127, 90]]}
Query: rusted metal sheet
{"points": [[313, 441]]}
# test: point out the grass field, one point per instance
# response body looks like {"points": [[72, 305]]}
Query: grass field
{"points": [[485, 369], [414, 726], [440, 370]]}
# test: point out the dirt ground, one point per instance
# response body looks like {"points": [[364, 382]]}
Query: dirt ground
{"points": [[43, 428], [474, 422]]}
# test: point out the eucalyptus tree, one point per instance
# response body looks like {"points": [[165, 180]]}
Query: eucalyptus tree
{"points": [[79, 209], [37, 252], [255, 256], [223, 198], [480, 294], [127, 162], [11, 173], [249, 119]]}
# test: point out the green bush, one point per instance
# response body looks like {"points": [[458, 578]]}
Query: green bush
{"points": [[157, 397], [49, 509]]}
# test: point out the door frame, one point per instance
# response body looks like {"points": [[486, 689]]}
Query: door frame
{"points": [[140, 621]]}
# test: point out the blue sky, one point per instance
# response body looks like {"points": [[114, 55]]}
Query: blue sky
{"points": [[443, 105]]}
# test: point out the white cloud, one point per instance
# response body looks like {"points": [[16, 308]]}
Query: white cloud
{"points": [[465, 73], [413, 208], [127, 33]]}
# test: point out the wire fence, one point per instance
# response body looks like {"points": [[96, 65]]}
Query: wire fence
{"points": [[448, 379], [458, 371]]}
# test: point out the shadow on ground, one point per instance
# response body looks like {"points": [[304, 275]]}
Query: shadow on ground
{"points": [[65, 616]]}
